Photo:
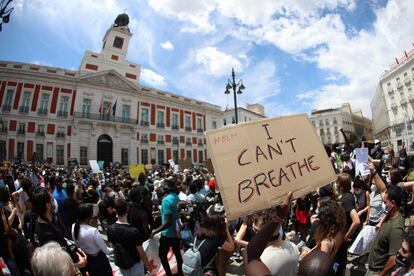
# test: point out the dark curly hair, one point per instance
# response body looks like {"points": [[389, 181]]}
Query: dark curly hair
{"points": [[331, 220], [212, 226]]}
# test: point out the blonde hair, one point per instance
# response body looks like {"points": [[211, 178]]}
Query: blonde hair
{"points": [[51, 260]]}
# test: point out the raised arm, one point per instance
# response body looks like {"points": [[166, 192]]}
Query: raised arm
{"points": [[382, 189]]}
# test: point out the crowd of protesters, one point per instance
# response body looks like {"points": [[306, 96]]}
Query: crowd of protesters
{"points": [[61, 221]]}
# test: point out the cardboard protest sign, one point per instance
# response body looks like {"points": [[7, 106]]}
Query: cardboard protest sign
{"points": [[258, 163], [148, 166], [94, 166], [171, 162], [136, 170], [185, 163]]}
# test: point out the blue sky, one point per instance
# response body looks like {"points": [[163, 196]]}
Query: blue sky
{"points": [[293, 55]]}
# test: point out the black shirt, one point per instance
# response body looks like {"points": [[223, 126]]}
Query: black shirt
{"points": [[69, 209], [209, 249], [348, 203], [137, 217], [128, 236]]}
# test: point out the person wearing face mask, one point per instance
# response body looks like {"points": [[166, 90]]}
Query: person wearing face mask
{"points": [[361, 194], [45, 230], [405, 256], [381, 259], [388, 158], [403, 163]]}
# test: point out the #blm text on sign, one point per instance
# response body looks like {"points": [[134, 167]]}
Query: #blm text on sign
{"points": [[258, 163]]}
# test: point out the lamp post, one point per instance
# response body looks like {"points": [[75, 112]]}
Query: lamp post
{"points": [[4, 12], [233, 85]]}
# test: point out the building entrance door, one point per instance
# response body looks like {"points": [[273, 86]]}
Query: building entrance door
{"points": [[105, 149]]}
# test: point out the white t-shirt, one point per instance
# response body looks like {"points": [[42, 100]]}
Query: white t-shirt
{"points": [[281, 260], [23, 198], [89, 240], [182, 196]]}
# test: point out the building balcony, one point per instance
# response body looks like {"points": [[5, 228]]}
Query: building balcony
{"points": [[187, 128], [399, 84], [40, 133], [200, 130], [24, 109], [21, 132], [394, 105], [60, 135], [6, 107], [160, 125], [176, 127], [3, 130], [159, 142], [144, 141], [411, 98], [188, 143], [42, 111], [144, 123], [390, 90], [175, 142], [407, 80], [62, 113], [104, 117], [403, 101], [200, 143]]}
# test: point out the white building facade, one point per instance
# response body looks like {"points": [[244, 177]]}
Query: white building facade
{"points": [[252, 112], [392, 105], [100, 112], [328, 122]]}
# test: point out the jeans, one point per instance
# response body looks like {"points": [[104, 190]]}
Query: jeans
{"points": [[165, 244], [136, 270]]}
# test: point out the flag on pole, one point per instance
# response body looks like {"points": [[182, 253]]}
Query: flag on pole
{"points": [[396, 61], [100, 107], [114, 108], [108, 108]]}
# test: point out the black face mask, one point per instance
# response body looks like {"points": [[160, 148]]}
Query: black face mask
{"points": [[401, 260]]}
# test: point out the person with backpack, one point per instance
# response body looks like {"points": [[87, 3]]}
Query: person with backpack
{"points": [[127, 242], [212, 235]]}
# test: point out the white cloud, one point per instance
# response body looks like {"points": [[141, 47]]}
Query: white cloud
{"points": [[216, 62], [261, 82], [153, 78], [167, 45], [194, 12]]}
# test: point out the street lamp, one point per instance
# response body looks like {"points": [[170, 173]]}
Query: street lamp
{"points": [[4, 12], [233, 85]]}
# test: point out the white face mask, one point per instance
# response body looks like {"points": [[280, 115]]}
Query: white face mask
{"points": [[373, 188]]}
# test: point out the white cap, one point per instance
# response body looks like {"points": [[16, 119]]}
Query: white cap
{"points": [[377, 141]]}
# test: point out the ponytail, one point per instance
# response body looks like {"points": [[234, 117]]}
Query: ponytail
{"points": [[76, 230]]}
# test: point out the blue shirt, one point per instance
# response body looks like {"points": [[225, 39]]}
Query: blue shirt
{"points": [[169, 207], [60, 197]]}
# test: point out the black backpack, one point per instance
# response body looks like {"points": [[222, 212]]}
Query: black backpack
{"points": [[122, 257]]}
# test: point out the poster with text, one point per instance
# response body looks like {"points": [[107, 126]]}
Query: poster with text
{"points": [[258, 163]]}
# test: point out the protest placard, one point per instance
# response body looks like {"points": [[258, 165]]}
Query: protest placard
{"points": [[185, 163], [94, 166], [101, 164], [171, 162], [136, 170], [361, 162], [258, 163]]}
